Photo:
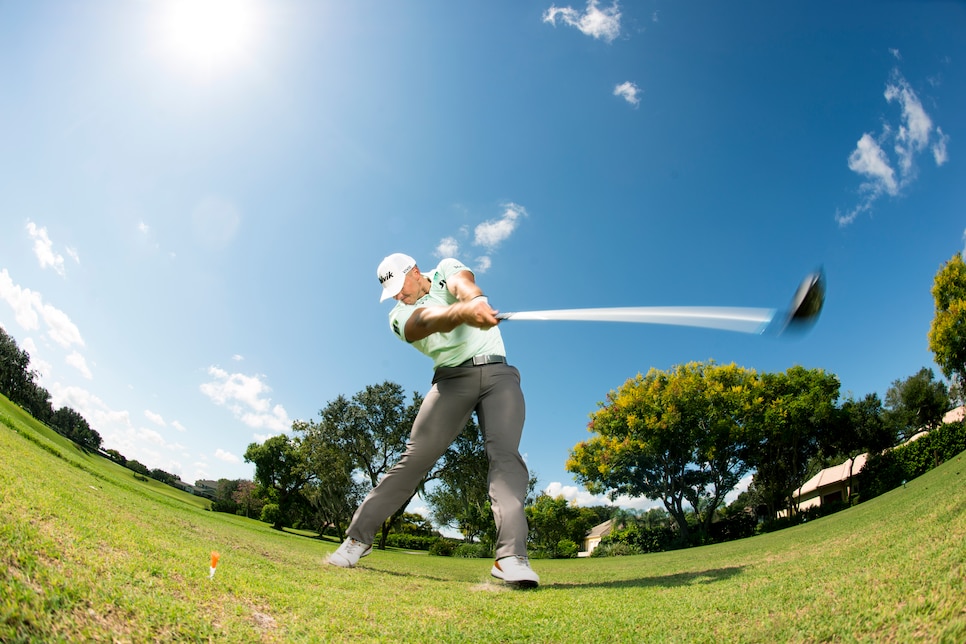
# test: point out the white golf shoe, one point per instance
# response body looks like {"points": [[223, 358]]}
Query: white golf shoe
{"points": [[349, 553], [515, 571]]}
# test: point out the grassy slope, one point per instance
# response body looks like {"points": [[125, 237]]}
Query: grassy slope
{"points": [[89, 553]]}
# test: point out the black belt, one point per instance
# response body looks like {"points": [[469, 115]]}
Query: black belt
{"points": [[477, 361]]}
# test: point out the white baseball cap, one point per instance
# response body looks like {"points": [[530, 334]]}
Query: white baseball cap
{"points": [[392, 273]]}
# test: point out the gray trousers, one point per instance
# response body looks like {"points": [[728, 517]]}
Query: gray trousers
{"points": [[493, 391]]}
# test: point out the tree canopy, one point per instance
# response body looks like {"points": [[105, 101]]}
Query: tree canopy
{"points": [[947, 334], [280, 471], [679, 436], [687, 436], [795, 415], [916, 403]]}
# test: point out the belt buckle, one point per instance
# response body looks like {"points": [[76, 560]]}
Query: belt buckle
{"points": [[479, 360]]}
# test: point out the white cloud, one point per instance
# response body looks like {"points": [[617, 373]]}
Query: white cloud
{"points": [[489, 234], [492, 233], [29, 308], [603, 24], [629, 92], [245, 397], [116, 429], [228, 457], [869, 160], [78, 361], [155, 418], [916, 126], [44, 249], [178, 426], [583, 498], [886, 175], [119, 432], [939, 147], [448, 247]]}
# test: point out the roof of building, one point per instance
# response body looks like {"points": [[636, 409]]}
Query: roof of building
{"points": [[600, 530], [840, 472], [832, 475]]}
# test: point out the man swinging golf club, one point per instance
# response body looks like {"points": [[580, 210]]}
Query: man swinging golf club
{"points": [[444, 314]]}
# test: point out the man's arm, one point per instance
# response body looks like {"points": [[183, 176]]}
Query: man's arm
{"points": [[472, 308]]}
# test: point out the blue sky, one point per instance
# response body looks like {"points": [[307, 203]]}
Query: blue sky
{"points": [[194, 203]]}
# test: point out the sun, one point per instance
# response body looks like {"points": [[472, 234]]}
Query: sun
{"points": [[208, 33]]}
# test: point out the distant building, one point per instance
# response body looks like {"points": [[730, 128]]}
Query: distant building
{"points": [[592, 540], [181, 485], [837, 483], [832, 485], [206, 488]]}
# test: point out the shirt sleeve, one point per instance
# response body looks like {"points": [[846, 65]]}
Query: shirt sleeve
{"points": [[398, 317]]}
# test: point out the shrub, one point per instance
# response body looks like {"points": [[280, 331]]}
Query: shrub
{"points": [[567, 549], [736, 527], [472, 551], [271, 513], [444, 547], [616, 549], [411, 541], [644, 539], [884, 472]]}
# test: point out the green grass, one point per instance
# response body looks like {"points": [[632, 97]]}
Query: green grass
{"points": [[88, 553]]}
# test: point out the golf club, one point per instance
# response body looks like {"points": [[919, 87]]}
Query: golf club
{"points": [[805, 308]]}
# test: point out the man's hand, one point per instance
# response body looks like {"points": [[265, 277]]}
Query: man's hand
{"points": [[478, 313]]}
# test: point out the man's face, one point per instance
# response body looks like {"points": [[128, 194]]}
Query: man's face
{"points": [[414, 287]]}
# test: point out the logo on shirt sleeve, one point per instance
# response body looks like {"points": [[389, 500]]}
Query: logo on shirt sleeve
{"points": [[395, 328]]}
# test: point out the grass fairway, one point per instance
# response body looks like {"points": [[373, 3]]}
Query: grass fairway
{"points": [[91, 554]]}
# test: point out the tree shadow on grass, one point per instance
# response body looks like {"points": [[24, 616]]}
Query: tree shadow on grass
{"points": [[666, 581]]}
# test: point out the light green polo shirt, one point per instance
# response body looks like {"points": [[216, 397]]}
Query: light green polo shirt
{"points": [[454, 347]]}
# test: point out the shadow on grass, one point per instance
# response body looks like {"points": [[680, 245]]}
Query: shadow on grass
{"points": [[666, 581], [396, 573]]}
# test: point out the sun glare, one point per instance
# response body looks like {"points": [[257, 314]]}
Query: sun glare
{"points": [[208, 33]]}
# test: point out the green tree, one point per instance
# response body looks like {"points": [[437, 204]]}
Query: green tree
{"points": [[333, 493], [116, 456], [415, 524], [281, 474], [165, 477], [224, 500], [371, 429], [947, 334], [680, 437], [71, 424], [793, 415], [247, 500], [460, 497], [138, 466], [860, 428], [16, 378], [916, 403], [554, 524], [18, 381]]}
